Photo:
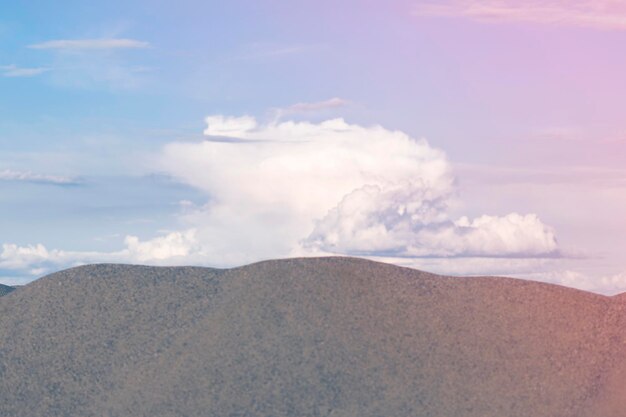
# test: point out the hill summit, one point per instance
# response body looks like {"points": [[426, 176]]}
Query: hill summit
{"points": [[307, 337]]}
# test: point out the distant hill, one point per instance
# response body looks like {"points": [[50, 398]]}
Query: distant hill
{"points": [[5, 289], [333, 337]]}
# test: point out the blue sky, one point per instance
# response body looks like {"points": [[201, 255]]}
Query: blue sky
{"points": [[105, 141]]}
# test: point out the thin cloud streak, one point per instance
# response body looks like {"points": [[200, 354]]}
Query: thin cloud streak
{"points": [[263, 50], [28, 176], [597, 177], [332, 103], [13, 71], [310, 107], [605, 15], [91, 44]]}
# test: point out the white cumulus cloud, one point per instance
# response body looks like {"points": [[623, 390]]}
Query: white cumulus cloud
{"points": [[332, 187], [174, 248], [171, 246], [21, 257], [282, 189], [411, 222]]}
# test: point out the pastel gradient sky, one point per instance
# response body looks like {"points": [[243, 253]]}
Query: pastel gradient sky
{"points": [[460, 137]]}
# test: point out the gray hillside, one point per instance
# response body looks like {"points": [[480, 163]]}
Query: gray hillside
{"points": [[305, 337], [5, 289]]}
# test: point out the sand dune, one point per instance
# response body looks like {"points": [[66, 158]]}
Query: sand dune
{"points": [[307, 337]]}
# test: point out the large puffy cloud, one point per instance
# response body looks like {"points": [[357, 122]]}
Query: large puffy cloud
{"points": [[302, 188], [21, 257], [371, 223]]}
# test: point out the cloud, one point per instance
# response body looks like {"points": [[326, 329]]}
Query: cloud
{"points": [[171, 246], [310, 108], [282, 189], [14, 71], [332, 103], [94, 63], [90, 44], [409, 222], [21, 257], [171, 249], [477, 266], [554, 271], [28, 176], [585, 177], [297, 188], [608, 284], [603, 14], [559, 133], [264, 50], [232, 127]]}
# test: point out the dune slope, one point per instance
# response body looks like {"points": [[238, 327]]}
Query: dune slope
{"points": [[306, 337]]}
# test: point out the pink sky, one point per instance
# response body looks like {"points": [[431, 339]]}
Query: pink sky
{"points": [[521, 104]]}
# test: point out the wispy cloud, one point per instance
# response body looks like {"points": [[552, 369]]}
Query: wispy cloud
{"points": [[91, 44], [278, 51], [28, 176], [592, 176], [310, 107], [15, 71], [268, 50], [602, 14], [93, 63], [332, 103]]}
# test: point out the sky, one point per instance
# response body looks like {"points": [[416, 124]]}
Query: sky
{"points": [[462, 137]]}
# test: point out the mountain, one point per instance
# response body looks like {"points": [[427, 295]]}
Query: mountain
{"points": [[5, 289], [331, 337]]}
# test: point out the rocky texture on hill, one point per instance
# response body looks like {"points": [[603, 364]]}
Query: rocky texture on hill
{"points": [[307, 337], [5, 289]]}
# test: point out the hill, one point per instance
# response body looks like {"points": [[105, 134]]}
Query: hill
{"points": [[5, 289], [306, 337]]}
